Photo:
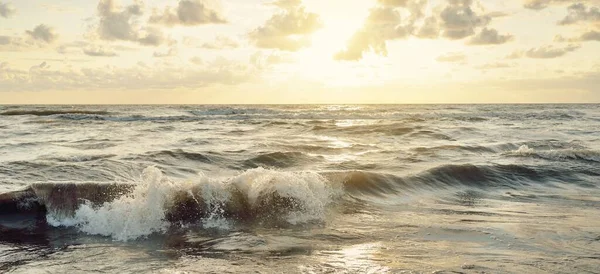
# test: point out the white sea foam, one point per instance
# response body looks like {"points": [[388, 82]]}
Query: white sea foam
{"points": [[130, 217], [558, 155], [143, 211]]}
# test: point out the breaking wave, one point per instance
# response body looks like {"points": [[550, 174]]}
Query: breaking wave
{"points": [[154, 203]]}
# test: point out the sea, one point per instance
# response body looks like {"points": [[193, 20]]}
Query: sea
{"points": [[300, 189]]}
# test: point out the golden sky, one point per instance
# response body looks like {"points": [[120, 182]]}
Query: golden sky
{"points": [[299, 51]]}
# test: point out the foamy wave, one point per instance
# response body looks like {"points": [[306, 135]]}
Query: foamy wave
{"points": [[129, 217], [158, 202], [309, 192]]}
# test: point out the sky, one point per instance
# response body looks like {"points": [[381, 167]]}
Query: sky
{"points": [[299, 51]]}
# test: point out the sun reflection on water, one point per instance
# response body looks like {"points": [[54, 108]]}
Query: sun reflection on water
{"points": [[361, 258]]}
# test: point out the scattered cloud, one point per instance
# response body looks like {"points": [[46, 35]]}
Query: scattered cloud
{"points": [[196, 60], [43, 65], [398, 19], [452, 57], [21, 43], [515, 54], [591, 35], [61, 8], [151, 36], [460, 21], [547, 52], [542, 4], [263, 60], [122, 24], [5, 40], [288, 29], [221, 42], [544, 52], [170, 52], [580, 13], [188, 13], [99, 52], [41, 77], [43, 33], [489, 37], [495, 65], [384, 23], [429, 29], [497, 14], [536, 4], [6, 10]]}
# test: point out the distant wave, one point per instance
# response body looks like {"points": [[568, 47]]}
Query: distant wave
{"points": [[388, 129], [173, 156], [51, 112], [453, 176], [279, 159], [557, 155], [466, 148]]}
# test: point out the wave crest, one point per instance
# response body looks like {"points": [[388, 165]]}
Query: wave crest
{"points": [[51, 112], [258, 195], [557, 155]]}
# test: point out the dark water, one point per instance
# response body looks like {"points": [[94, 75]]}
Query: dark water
{"points": [[302, 189]]}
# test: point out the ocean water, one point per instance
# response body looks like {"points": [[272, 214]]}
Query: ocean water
{"points": [[300, 189]]}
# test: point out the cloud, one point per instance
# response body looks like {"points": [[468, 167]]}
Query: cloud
{"points": [[188, 13], [264, 60], [536, 4], [196, 60], [43, 33], [6, 10], [122, 24], [43, 65], [170, 52], [384, 23], [152, 37], [61, 8], [591, 35], [430, 29], [580, 13], [398, 19], [21, 43], [489, 37], [455, 21], [117, 24], [547, 52], [496, 65], [289, 29], [459, 20], [138, 77], [542, 4], [497, 14], [221, 42], [99, 52], [5, 40], [452, 57]]}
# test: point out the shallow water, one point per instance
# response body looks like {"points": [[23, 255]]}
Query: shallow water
{"points": [[304, 189]]}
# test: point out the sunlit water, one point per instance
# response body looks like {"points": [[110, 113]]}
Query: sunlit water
{"points": [[320, 189]]}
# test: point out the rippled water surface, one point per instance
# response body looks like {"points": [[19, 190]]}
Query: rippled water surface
{"points": [[300, 189]]}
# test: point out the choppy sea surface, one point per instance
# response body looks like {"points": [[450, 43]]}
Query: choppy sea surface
{"points": [[302, 189]]}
